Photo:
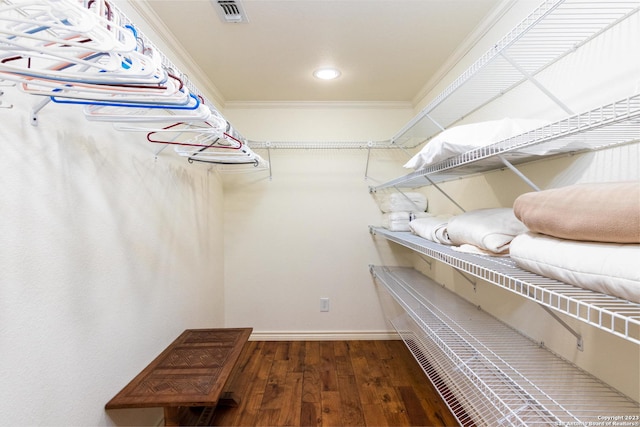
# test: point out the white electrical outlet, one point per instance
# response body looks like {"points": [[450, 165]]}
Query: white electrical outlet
{"points": [[324, 304]]}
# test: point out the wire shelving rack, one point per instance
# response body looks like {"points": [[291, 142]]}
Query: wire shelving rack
{"points": [[552, 31], [614, 315], [613, 124], [488, 373]]}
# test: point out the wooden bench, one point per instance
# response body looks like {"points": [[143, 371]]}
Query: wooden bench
{"points": [[190, 373]]}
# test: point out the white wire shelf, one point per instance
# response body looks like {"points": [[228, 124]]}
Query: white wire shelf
{"points": [[607, 126], [488, 373], [320, 145], [555, 29], [611, 314]]}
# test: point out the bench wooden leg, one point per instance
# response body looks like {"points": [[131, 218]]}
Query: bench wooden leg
{"points": [[229, 400], [171, 415]]}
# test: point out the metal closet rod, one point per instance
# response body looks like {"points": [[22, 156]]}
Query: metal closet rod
{"points": [[322, 145]]}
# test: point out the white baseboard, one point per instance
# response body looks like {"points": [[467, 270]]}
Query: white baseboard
{"points": [[322, 335]]}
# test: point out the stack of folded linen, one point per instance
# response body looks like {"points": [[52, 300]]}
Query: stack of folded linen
{"points": [[587, 235], [482, 231], [398, 209]]}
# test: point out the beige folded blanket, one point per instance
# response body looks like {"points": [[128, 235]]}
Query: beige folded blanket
{"points": [[600, 212]]}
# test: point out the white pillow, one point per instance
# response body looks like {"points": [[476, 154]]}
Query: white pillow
{"points": [[460, 139]]}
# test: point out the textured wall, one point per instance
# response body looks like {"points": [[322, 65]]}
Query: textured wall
{"points": [[107, 255]]}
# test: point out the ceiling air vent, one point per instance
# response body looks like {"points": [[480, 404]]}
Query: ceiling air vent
{"points": [[231, 11]]}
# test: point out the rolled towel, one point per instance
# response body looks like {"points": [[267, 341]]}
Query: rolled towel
{"points": [[432, 228]]}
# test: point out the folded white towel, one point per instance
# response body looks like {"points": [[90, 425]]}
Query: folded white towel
{"points": [[399, 221], [402, 202], [489, 229]]}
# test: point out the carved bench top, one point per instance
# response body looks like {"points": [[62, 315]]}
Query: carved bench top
{"points": [[192, 371]]}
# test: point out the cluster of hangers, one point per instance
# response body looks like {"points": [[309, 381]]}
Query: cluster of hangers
{"points": [[86, 52]]}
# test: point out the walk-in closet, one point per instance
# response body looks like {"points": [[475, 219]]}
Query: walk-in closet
{"points": [[444, 232]]}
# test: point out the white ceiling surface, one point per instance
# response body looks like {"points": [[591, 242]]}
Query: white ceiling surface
{"points": [[386, 50]]}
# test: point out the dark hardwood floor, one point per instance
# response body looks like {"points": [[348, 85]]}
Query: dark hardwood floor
{"points": [[331, 383]]}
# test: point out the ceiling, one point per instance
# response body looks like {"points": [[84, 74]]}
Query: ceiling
{"points": [[386, 50]]}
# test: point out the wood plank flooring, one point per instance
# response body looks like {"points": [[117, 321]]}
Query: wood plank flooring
{"points": [[331, 383]]}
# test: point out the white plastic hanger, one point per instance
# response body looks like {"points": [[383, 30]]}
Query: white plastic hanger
{"points": [[131, 114], [60, 25]]}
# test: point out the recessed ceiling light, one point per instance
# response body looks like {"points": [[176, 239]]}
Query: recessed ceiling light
{"points": [[326, 73]]}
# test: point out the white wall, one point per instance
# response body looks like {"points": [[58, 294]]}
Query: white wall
{"points": [[303, 234], [107, 255]]}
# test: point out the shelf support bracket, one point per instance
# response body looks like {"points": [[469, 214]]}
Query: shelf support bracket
{"points": [[464, 276], [366, 169], [444, 193], [404, 150], [4, 105], [426, 260], [517, 172], [36, 109], [580, 342], [268, 145], [157, 153], [434, 122], [537, 84]]}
